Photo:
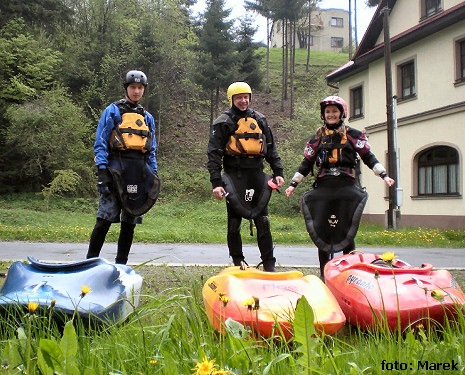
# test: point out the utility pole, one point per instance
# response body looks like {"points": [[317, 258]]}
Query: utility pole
{"points": [[350, 30], [392, 169]]}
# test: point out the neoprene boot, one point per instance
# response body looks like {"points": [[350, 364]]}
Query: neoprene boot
{"points": [[126, 236], [269, 265], [323, 257], [265, 243], [97, 238], [235, 241]]}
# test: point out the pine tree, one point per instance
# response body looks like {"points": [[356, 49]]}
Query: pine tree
{"points": [[249, 61], [217, 61]]}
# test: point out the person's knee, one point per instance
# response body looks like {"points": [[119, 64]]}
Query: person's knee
{"points": [[127, 227], [262, 224], [102, 225], [234, 225]]}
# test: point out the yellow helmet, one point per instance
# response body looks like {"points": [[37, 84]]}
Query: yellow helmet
{"points": [[238, 88]]}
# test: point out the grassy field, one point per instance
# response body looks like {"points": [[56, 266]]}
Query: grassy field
{"points": [[26, 218], [169, 333]]}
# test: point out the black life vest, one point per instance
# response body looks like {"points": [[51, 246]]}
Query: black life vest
{"points": [[335, 149]]}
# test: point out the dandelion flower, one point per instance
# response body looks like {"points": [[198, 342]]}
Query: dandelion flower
{"points": [[85, 289], [225, 300], [249, 303], [438, 294], [205, 367], [153, 362], [32, 307], [221, 372], [388, 256]]}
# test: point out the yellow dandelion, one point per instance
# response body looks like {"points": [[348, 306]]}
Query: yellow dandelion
{"points": [[32, 307], [221, 372], [205, 367], [153, 362], [85, 289], [249, 303], [225, 300], [438, 294], [388, 256]]}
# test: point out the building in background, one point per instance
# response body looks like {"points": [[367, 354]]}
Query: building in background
{"points": [[428, 79], [329, 31]]}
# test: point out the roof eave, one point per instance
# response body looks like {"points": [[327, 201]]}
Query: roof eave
{"points": [[412, 35]]}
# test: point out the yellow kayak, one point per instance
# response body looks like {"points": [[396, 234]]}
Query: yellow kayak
{"points": [[262, 300]]}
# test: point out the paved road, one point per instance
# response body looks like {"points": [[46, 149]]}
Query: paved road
{"points": [[203, 254]]}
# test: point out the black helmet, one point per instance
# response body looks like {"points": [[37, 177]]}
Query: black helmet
{"points": [[135, 76]]}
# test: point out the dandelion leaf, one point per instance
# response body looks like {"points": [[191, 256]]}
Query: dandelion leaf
{"points": [[12, 353], [304, 332], [69, 347], [49, 357], [275, 360]]}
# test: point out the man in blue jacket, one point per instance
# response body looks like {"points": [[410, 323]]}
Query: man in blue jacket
{"points": [[128, 184]]}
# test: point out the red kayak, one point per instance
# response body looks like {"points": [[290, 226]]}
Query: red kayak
{"points": [[373, 292]]}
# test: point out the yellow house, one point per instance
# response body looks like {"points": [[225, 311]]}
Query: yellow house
{"points": [[427, 65], [329, 31]]}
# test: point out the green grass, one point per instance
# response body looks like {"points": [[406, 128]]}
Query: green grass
{"points": [[169, 333], [25, 218]]}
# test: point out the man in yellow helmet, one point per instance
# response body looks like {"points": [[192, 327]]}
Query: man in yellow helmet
{"points": [[240, 140]]}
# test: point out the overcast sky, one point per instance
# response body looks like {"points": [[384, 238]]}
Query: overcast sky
{"points": [[364, 14]]}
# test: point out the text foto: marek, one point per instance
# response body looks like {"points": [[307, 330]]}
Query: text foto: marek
{"points": [[419, 365]]}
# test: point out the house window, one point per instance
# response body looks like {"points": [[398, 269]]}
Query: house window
{"points": [[406, 80], [430, 7], [460, 61], [356, 102], [438, 171], [337, 42], [337, 22]]}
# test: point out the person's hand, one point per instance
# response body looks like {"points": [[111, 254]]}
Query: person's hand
{"points": [[104, 181], [219, 192], [290, 191], [279, 181], [389, 181]]}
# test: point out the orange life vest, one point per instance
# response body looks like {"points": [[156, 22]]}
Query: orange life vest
{"points": [[132, 134], [247, 140]]}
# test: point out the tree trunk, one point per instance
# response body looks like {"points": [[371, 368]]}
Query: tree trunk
{"points": [[292, 63], [309, 34], [268, 37], [286, 70], [212, 104], [283, 81], [217, 99]]}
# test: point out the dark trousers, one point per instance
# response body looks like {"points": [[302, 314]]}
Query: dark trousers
{"points": [[264, 239], [324, 257], [99, 233]]}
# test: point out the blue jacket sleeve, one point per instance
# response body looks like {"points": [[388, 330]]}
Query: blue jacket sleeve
{"points": [[152, 158], [109, 119]]}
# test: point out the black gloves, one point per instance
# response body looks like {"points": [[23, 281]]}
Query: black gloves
{"points": [[104, 181]]}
